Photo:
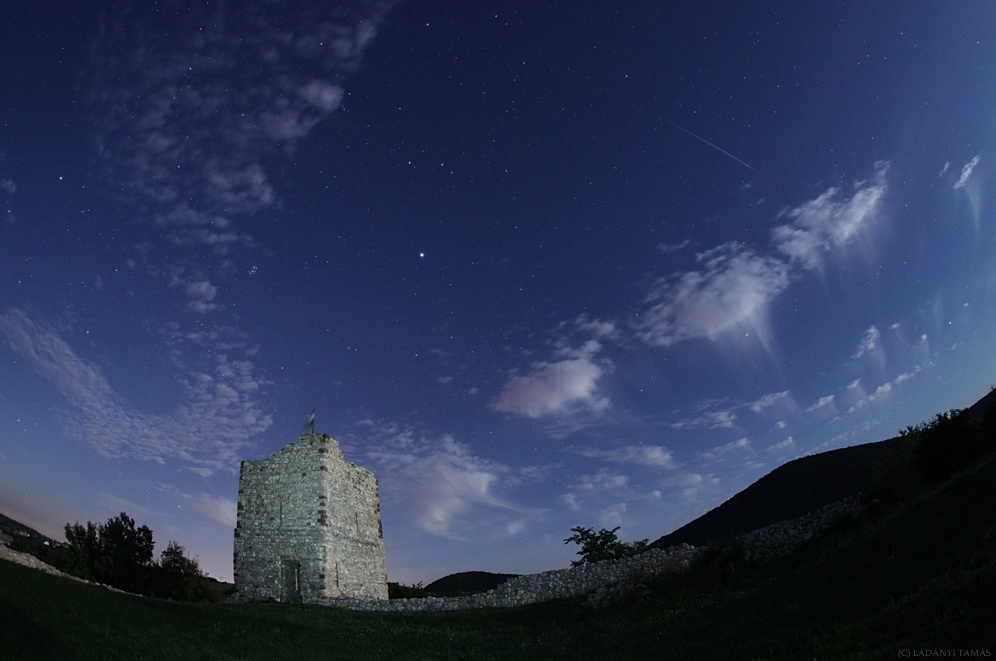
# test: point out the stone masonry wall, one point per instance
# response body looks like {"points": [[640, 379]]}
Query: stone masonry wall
{"points": [[604, 581], [547, 586], [308, 527]]}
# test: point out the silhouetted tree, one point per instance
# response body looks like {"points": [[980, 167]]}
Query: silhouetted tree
{"points": [[83, 550], [116, 553], [602, 545], [179, 577]]}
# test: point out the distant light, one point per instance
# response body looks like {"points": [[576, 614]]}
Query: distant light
{"points": [[421, 254]]}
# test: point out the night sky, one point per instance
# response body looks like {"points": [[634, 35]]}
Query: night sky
{"points": [[535, 264]]}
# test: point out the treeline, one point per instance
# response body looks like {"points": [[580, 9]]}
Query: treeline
{"points": [[120, 554], [934, 450]]}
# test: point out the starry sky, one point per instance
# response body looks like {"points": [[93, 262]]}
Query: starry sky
{"points": [[535, 264]]}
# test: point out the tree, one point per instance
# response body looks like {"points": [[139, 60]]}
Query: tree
{"points": [[119, 553], [602, 545], [116, 553], [179, 577], [84, 548]]}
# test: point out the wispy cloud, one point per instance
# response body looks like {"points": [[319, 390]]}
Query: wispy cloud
{"points": [[202, 294], [869, 342], [440, 486], [829, 221], [733, 286], [863, 399], [971, 187], [722, 419], [668, 248], [782, 445], [558, 386], [189, 131], [739, 445], [603, 493], [117, 504], [731, 290], [967, 170], [692, 485], [207, 431], [220, 510], [643, 455], [768, 400], [825, 402]]}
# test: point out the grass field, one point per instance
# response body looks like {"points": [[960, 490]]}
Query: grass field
{"points": [[921, 576]]}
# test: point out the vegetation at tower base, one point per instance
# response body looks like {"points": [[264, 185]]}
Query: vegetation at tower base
{"points": [[120, 554]]}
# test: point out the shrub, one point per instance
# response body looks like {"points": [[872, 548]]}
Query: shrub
{"points": [[602, 545]]}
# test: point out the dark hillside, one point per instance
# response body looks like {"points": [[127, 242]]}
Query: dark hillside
{"points": [[916, 576], [807, 484], [790, 491], [978, 411], [468, 582], [12, 527]]}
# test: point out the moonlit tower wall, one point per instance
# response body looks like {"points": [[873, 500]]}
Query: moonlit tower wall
{"points": [[308, 526]]}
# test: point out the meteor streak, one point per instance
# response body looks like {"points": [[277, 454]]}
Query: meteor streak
{"points": [[710, 144]]}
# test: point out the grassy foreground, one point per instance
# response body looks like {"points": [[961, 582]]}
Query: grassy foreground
{"points": [[919, 577]]}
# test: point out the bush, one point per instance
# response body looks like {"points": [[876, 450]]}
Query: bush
{"points": [[119, 554], [933, 451], [402, 591], [115, 553], [602, 545]]}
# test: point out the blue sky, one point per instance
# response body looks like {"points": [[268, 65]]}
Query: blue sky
{"points": [[535, 266]]}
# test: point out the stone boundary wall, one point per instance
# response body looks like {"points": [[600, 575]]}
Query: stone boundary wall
{"points": [[601, 579], [785, 537], [546, 586], [761, 545], [30, 561]]}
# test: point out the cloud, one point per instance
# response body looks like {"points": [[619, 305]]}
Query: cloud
{"points": [[591, 491], [865, 399], [643, 455], [188, 130], [692, 485], [601, 482], [966, 171], [723, 450], [221, 510], [768, 400], [783, 445], [731, 290], [821, 403], [440, 486], [202, 294], [668, 248], [116, 504], [829, 221], [971, 187], [597, 328], [207, 431], [869, 343], [709, 420], [556, 387]]}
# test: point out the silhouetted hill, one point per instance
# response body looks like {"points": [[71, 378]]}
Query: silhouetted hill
{"points": [[467, 582], [796, 488], [978, 410], [790, 491], [12, 527]]}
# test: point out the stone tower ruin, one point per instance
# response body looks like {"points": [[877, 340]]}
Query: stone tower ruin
{"points": [[308, 527]]}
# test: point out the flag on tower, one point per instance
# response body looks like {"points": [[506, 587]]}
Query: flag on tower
{"points": [[309, 427]]}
